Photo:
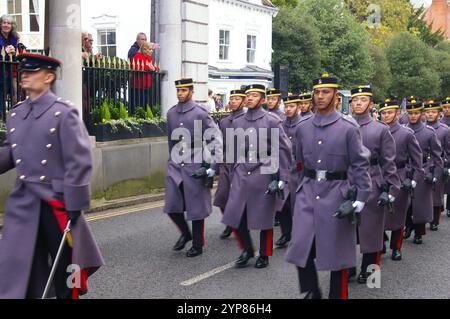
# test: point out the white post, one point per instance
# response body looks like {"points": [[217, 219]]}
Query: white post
{"points": [[65, 45]]}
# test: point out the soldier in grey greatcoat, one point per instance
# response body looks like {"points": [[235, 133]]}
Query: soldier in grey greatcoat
{"points": [[378, 140], [305, 104], [328, 144], [432, 112], [260, 174], [189, 174], [446, 120], [49, 147], [408, 158], [421, 209], [236, 104]]}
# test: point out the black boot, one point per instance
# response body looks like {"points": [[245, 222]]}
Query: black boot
{"points": [[283, 241], [407, 233], [433, 227], [313, 294], [396, 254], [244, 258], [194, 252], [262, 262], [182, 241], [418, 239], [383, 251], [226, 233], [362, 277], [448, 211]]}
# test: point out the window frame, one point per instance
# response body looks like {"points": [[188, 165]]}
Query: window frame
{"points": [[225, 45]]}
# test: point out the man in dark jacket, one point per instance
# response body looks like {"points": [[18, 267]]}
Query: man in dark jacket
{"points": [[140, 39]]}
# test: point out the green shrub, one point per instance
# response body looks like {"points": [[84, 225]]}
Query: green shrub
{"points": [[140, 113], [105, 112], [123, 111], [149, 114]]}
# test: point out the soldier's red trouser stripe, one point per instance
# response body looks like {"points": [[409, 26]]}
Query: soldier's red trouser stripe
{"points": [[400, 239], [344, 284], [378, 258], [59, 211], [238, 238], [268, 234]]}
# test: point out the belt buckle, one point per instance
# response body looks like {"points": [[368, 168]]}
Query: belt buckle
{"points": [[321, 175]]}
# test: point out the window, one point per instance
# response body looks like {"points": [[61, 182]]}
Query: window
{"points": [[251, 48], [107, 42], [224, 44], [34, 15], [15, 10]]}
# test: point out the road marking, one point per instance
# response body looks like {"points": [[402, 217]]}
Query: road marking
{"points": [[125, 212], [209, 274]]}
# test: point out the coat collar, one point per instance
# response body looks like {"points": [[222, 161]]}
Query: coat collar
{"points": [[417, 127], [394, 127], [306, 113], [255, 114], [434, 125], [39, 106], [324, 120], [446, 120], [236, 114], [185, 107], [291, 122], [277, 111], [363, 119]]}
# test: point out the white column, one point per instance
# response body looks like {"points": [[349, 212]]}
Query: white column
{"points": [[183, 35], [65, 45], [170, 53]]}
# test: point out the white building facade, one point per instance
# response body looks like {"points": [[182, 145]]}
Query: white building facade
{"points": [[240, 44]]}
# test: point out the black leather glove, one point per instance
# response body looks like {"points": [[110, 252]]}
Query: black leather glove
{"points": [[383, 199], [200, 173], [73, 216], [347, 210], [274, 188]]}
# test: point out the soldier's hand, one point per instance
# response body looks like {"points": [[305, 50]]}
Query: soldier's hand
{"points": [[359, 206], [345, 210], [210, 172], [383, 199], [272, 188], [200, 173], [414, 184], [73, 216]]}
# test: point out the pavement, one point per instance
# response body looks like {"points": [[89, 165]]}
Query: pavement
{"points": [[136, 243]]}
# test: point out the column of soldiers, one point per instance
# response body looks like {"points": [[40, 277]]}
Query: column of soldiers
{"points": [[341, 181]]}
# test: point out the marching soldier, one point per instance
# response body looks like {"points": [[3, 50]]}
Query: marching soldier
{"points": [[420, 211], [432, 113], [446, 120], [291, 109], [273, 103], [273, 100], [305, 104], [377, 138], [51, 151], [252, 200], [236, 105], [409, 169], [328, 144], [188, 182]]}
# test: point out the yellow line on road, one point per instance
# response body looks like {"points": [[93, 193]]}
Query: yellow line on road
{"points": [[125, 212]]}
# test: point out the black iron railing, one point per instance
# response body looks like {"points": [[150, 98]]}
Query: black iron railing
{"points": [[119, 82], [10, 92]]}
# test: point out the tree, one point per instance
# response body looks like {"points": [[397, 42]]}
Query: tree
{"points": [[296, 43], [419, 27], [343, 41], [382, 77], [441, 63], [285, 3], [412, 67], [382, 18]]}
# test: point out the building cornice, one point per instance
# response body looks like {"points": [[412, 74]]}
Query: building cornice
{"points": [[245, 4]]}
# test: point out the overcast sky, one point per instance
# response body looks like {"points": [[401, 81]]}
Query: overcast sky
{"points": [[418, 3]]}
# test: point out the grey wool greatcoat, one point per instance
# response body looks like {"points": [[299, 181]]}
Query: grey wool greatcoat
{"points": [[185, 157], [409, 154], [446, 120], [290, 127], [225, 176], [377, 138], [50, 149], [278, 113], [250, 181], [443, 134], [422, 203], [333, 143]]}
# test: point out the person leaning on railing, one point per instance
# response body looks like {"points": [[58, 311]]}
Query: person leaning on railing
{"points": [[87, 49], [141, 86], [10, 46]]}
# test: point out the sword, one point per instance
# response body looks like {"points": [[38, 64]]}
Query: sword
{"points": [[56, 262]]}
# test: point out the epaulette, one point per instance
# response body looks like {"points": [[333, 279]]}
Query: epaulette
{"points": [[275, 117], [67, 103], [410, 130], [350, 119], [304, 118], [430, 127]]}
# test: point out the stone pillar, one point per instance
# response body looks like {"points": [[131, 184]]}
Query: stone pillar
{"points": [[65, 44], [183, 35]]}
